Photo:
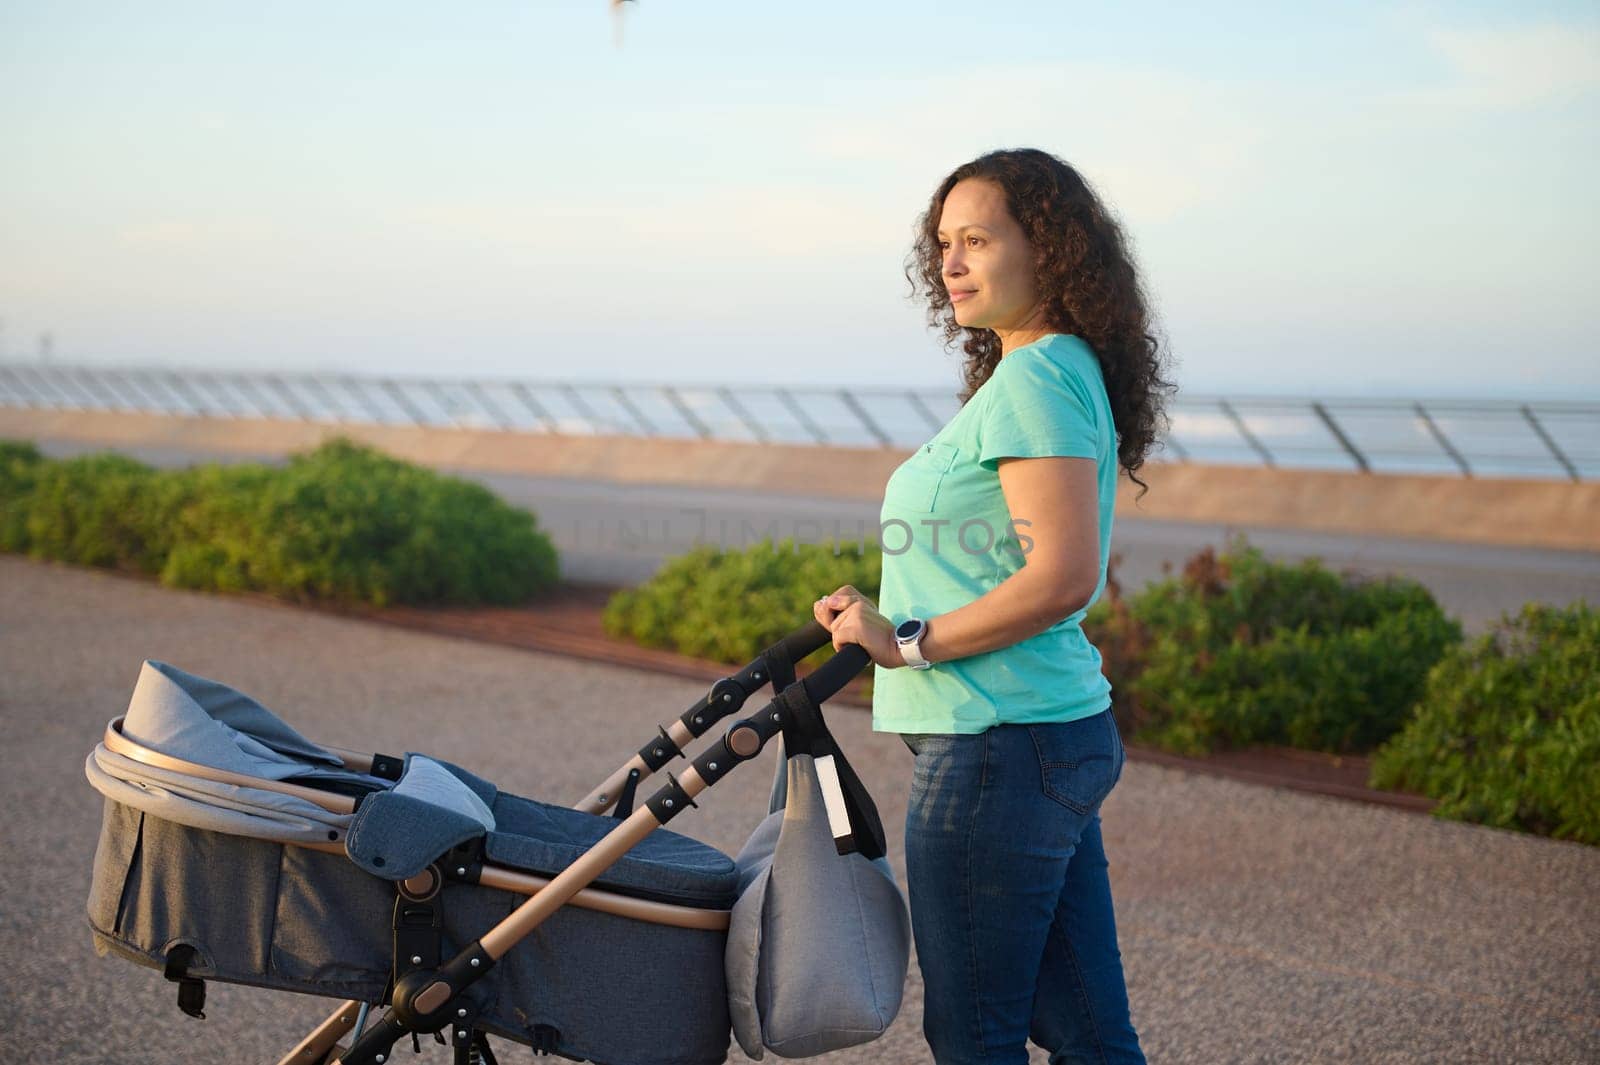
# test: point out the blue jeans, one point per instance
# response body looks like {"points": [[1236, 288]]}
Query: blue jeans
{"points": [[1010, 902]]}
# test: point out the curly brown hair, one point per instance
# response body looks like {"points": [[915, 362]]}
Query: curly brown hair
{"points": [[1081, 261]]}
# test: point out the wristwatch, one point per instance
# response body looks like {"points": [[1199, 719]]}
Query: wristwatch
{"points": [[908, 634]]}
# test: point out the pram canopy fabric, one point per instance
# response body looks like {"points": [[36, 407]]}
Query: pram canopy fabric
{"points": [[186, 717], [398, 828]]}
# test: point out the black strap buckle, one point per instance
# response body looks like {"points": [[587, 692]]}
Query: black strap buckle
{"points": [[546, 1039], [191, 989], [418, 935]]}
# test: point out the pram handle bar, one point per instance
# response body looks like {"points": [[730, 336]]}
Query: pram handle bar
{"points": [[727, 696], [743, 741], [775, 665], [423, 1000]]}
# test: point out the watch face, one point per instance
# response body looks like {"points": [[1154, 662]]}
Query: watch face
{"points": [[908, 628]]}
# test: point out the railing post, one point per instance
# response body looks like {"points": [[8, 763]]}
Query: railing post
{"points": [[1338, 434], [688, 415], [41, 387], [215, 393], [163, 399], [801, 416], [14, 386], [257, 399], [256, 394], [585, 411], [358, 388], [291, 400], [525, 397], [1442, 440], [330, 402], [638, 415], [398, 394], [476, 391], [743, 415], [922, 409], [435, 390], [1244, 431], [195, 402], [138, 397], [1572, 471], [49, 394], [91, 386], [53, 376], [860, 412]]}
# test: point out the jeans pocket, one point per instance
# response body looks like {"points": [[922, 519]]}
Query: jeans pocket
{"points": [[1079, 761]]}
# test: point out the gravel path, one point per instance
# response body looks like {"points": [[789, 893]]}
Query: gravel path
{"points": [[1257, 925]]}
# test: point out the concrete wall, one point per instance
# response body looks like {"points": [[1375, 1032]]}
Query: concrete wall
{"points": [[1554, 514]]}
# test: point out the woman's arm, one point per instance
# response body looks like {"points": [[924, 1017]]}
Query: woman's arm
{"points": [[1054, 503]]}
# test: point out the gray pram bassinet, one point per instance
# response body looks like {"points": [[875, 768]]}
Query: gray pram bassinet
{"points": [[233, 849]]}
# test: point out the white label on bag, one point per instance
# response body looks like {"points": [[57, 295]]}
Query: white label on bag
{"points": [[833, 797]]}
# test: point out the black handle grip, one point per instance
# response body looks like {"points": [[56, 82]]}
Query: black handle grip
{"points": [[830, 678], [806, 639]]}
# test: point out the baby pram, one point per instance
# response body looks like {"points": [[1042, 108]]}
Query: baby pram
{"points": [[234, 849]]}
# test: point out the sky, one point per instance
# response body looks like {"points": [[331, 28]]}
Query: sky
{"points": [[1354, 199]]}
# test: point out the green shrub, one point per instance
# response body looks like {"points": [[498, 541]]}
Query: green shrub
{"points": [[1508, 731], [729, 605], [19, 468], [348, 524], [100, 510], [344, 524], [1241, 650], [16, 457]]}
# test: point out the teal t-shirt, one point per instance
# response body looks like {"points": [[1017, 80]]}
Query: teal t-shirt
{"points": [[948, 538]]}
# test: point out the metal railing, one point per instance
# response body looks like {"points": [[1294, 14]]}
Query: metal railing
{"points": [[1502, 438]]}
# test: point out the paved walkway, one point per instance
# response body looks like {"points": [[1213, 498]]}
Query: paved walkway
{"points": [[1257, 925]]}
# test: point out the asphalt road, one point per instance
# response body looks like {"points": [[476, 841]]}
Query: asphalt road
{"points": [[611, 533], [1256, 925]]}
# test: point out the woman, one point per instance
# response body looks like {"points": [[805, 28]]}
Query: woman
{"points": [[996, 536]]}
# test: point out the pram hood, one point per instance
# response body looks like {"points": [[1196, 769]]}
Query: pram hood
{"points": [[202, 721], [191, 719], [398, 827]]}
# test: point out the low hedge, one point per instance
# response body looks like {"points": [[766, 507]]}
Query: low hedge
{"points": [[1242, 650], [94, 510], [342, 524], [727, 605], [1508, 730]]}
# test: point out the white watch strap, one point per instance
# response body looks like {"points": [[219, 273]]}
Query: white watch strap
{"points": [[911, 651]]}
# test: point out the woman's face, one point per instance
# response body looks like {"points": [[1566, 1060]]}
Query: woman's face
{"points": [[988, 261]]}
